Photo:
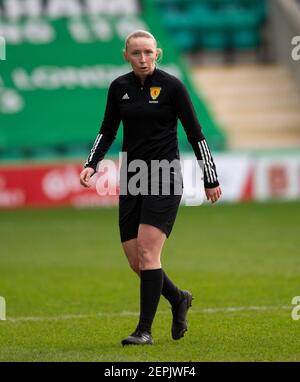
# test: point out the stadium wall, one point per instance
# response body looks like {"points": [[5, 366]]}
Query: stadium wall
{"points": [[285, 26], [243, 177]]}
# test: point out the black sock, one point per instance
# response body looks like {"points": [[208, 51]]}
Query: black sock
{"points": [[170, 291], [151, 286]]}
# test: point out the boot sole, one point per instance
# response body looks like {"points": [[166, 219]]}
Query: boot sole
{"points": [[136, 343]]}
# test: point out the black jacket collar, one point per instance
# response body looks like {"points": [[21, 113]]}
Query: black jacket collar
{"points": [[147, 79]]}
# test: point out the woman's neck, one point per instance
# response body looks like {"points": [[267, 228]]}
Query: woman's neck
{"points": [[143, 78]]}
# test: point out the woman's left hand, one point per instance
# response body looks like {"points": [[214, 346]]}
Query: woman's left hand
{"points": [[213, 194]]}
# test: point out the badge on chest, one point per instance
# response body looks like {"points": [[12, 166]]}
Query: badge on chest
{"points": [[154, 93]]}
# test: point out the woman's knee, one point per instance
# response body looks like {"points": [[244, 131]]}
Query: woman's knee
{"points": [[130, 249], [148, 258]]}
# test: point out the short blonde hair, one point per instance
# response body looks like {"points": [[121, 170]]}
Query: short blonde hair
{"points": [[143, 33]]}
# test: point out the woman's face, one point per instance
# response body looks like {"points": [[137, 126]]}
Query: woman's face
{"points": [[141, 52]]}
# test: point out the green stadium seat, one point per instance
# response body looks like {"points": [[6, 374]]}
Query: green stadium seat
{"points": [[245, 39], [235, 18], [214, 40], [175, 20], [172, 5], [185, 40], [203, 18], [214, 23]]}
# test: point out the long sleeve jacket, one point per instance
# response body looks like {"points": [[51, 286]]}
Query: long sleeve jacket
{"points": [[150, 113]]}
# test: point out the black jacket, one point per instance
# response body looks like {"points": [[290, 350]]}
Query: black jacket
{"points": [[149, 113]]}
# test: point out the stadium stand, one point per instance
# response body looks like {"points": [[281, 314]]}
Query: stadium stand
{"points": [[54, 82], [214, 24], [52, 98], [257, 105]]}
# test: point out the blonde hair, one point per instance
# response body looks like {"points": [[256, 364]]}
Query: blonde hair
{"points": [[143, 33]]}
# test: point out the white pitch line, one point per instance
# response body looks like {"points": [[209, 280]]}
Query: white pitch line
{"points": [[125, 314]]}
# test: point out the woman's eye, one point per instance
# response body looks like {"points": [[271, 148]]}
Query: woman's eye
{"points": [[138, 53]]}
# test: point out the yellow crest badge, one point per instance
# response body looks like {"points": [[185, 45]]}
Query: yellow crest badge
{"points": [[155, 92]]}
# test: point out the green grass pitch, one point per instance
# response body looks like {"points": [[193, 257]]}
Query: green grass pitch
{"points": [[71, 296]]}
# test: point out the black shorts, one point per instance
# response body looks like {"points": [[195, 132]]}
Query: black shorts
{"points": [[157, 210]]}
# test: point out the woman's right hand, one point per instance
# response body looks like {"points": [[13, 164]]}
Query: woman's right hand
{"points": [[85, 176]]}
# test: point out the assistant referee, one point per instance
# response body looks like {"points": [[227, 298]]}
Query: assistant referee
{"points": [[149, 102]]}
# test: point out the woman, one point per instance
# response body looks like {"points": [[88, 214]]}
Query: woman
{"points": [[149, 101]]}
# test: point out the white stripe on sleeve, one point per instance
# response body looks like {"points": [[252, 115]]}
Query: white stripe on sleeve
{"points": [[94, 148], [208, 173], [210, 164]]}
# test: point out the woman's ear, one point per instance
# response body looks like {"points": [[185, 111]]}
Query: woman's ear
{"points": [[157, 54]]}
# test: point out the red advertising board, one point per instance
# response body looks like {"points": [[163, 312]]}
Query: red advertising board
{"points": [[242, 177], [47, 185]]}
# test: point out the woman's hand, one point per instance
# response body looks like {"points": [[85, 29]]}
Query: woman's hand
{"points": [[213, 194], [85, 176]]}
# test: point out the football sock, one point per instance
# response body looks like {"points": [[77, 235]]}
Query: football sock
{"points": [[150, 290], [170, 291]]}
